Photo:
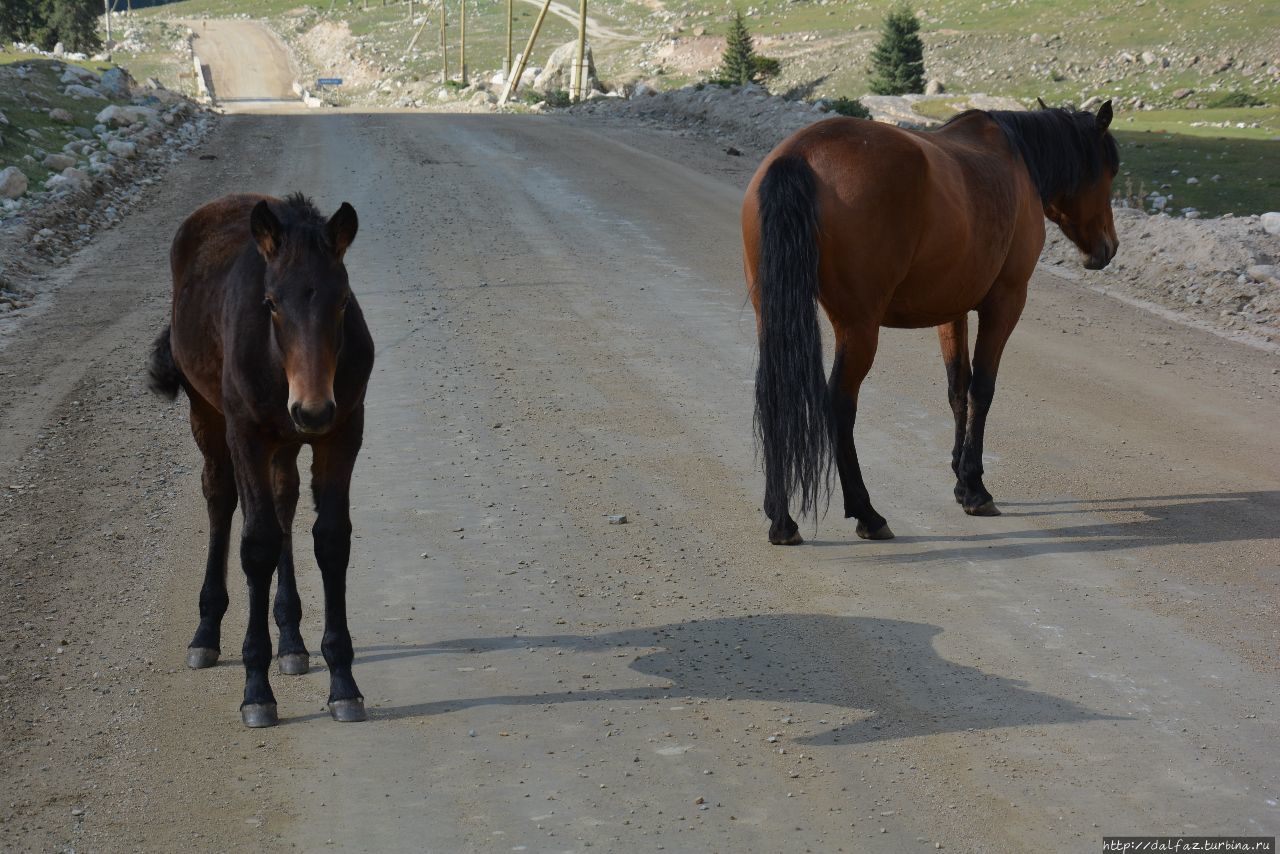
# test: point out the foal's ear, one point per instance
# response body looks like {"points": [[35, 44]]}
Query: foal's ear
{"points": [[341, 229], [1104, 117], [266, 229], [1041, 102]]}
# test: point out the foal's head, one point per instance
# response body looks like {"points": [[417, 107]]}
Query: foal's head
{"points": [[1073, 160], [306, 293]]}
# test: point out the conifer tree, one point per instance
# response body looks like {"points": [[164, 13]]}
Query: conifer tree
{"points": [[737, 66], [897, 62]]}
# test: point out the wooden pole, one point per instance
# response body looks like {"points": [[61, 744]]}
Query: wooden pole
{"points": [[444, 49], [106, 4], [579, 73], [426, 19], [506, 66], [462, 50], [513, 82]]}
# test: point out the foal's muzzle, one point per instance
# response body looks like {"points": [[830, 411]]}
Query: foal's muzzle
{"points": [[313, 420]]}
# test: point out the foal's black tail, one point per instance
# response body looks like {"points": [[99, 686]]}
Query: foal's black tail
{"points": [[793, 406], [163, 376]]}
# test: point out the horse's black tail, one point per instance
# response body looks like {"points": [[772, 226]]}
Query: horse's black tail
{"points": [[163, 376], [793, 405]]}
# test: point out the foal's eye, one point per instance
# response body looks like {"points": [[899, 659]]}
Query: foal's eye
{"points": [[270, 303], [342, 306]]}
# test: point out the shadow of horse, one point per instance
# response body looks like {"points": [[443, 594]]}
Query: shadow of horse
{"points": [[1195, 519], [885, 672]]}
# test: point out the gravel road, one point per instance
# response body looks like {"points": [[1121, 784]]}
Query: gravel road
{"points": [[563, 336]]}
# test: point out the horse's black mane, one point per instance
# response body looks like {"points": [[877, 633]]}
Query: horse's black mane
{"points": [[304, 210], [1062, 149]]}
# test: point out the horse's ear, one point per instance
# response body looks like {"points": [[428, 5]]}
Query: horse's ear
{"points": [[1104, 116], [1042, 104], [265, 228], [341, 229]]}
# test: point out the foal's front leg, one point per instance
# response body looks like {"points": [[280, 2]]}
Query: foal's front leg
{"points": [[260, 544], [292, 657], [333, 460]]}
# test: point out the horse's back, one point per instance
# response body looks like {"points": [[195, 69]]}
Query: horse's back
{"points": [[211, 239]]}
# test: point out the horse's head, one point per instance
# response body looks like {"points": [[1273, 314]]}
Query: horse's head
{"points": [[1083, 212], [306, 293]]}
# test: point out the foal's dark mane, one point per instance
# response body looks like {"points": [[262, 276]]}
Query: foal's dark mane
{"points": [[304, 225], [303, 210], [1062, 149]]}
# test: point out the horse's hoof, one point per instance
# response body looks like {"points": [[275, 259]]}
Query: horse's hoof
{"points": [[882, 533], [794, 539], [986, 508], [348, 711], [294, 663], [200, 657], [259, 715]]}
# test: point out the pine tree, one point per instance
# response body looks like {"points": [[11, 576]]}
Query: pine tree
{"points": [[72, 22], [737, 66], [897, 63], [16, 19]]}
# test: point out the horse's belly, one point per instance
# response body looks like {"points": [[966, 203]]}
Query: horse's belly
{"points": [[920, 302]]}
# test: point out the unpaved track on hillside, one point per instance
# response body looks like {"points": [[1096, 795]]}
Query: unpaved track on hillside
{"points": [[251, 69], [562, 335]]}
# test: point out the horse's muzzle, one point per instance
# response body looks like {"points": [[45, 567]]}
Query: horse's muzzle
{"points": [[1102, 257], [316, 420]]}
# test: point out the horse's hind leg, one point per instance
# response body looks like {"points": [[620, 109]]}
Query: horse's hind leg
{"points": [[855, 351], [333, 460], [292, 654], [997, 316], [954, 338], [210, 431]]}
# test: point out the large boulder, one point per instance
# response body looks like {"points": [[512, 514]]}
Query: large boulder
{"points": [[58, 162], [1271, 222], [13, 183], [121, 148], [78, 74], [69, 179], [57, 114], [557, 74], [76, 90], [115, 83], [123, 115]]}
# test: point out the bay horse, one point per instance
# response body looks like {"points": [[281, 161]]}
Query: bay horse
{"points": [[896, 228], [271, 348]]}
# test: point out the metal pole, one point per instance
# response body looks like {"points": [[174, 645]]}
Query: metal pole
{"points": [[462, 50], [514, 81], [580, 73], [106, 4], [444, 50]]}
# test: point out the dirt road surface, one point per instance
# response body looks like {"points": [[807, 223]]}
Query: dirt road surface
{"points": [[562, 336], [251, 69]]}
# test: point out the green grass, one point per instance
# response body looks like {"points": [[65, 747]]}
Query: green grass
{"points": [[24, 115], [1248, 171]]}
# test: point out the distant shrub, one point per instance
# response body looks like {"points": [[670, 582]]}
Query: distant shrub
{"points": [[557, 98], [740, 63], [1233, 99], [764, 67], [850, 107]]}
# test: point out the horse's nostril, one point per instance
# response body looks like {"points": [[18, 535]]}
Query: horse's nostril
{"points": [[312, 420]]}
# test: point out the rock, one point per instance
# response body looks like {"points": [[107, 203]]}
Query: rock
{"points": [[557, 75], [120, 148], [115, 83], [1148, 58], [1179, 94], [75, 90], [1193, 180], [1090, 102], [934, 87], [122, 115], [481, 99], [618, 520], [57, 114], [4, 120], [77, 74], [13, 183], [1263, 272], [59, 50], [1271, 222], [69, 179], [58, 162]]}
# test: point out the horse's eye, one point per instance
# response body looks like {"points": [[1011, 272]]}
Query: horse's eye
{"points": [[270, 303], [342, 306]]}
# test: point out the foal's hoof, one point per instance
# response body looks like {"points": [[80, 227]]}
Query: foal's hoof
{"points": [[294, 663], [881, 533], [259, 715], [986, 508], [348, 711], [200, 657], [793, 539]]}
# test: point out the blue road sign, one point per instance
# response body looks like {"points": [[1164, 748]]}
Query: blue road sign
{"points": [[329, 81]]}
